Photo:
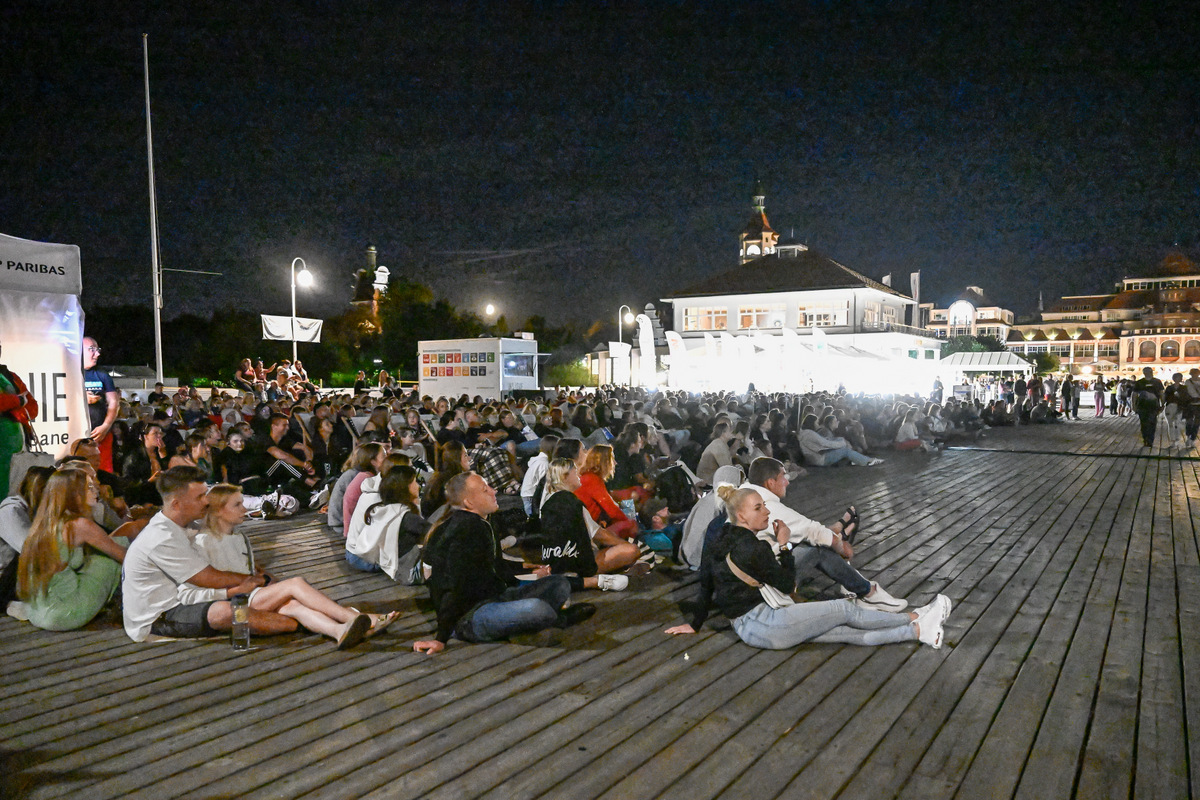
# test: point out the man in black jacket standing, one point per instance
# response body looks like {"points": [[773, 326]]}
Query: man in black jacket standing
{"points": [[1147, 400], [477, 597]]}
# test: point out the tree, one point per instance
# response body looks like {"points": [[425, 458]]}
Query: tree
{"points": [[972, 344], [1045, 363]]}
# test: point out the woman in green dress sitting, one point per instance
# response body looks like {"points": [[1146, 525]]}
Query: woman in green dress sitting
{"points": [[69, 566]]}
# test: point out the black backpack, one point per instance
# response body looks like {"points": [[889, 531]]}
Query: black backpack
{"points": [[674, 486]]}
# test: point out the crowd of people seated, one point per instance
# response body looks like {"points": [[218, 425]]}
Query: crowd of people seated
{"points": [[503, 508]]}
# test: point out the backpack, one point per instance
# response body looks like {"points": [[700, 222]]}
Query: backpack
{"points": [[674, 486]]}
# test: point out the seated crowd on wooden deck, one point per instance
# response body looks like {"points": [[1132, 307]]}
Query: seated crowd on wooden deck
{"points": [[503, 509]]}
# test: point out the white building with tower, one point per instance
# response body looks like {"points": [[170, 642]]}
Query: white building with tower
{"points": [[789, 318]]}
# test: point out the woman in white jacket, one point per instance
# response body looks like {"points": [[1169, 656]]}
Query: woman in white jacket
{"points": [[386, 525]]}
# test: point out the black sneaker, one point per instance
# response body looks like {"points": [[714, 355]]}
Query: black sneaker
{"points": [[574, 614]]}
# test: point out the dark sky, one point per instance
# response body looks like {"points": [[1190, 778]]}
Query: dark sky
{"points": [[605, 152]]}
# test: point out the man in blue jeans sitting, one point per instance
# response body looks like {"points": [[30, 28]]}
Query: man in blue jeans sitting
{"points": [[474, 589]]}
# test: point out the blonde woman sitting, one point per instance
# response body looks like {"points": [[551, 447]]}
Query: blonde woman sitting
{"points": [[751, 585], [230, 552], [573, 543], [69, 566]]}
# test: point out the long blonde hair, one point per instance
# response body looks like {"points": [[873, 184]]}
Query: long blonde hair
{"points": [[217, 497], [64, 500]]}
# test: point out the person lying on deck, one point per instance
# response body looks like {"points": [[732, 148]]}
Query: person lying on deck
{"points": [[473, 587], [751, 584]]}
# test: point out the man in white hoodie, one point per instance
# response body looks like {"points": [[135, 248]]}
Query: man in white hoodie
{"points": [[535, 471], [816, 546]]}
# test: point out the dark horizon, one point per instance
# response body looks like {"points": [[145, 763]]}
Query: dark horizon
{"points": [[564, 159]]}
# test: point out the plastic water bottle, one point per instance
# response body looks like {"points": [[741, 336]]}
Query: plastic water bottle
{"points": [[239, 634]]}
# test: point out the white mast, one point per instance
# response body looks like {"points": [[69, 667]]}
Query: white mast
{"points": [[156, 273]]}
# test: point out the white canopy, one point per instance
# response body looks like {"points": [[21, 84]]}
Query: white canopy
{"points": [[997, 361]]}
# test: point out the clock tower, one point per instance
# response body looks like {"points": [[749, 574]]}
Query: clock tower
{"points": [[757, 239]]}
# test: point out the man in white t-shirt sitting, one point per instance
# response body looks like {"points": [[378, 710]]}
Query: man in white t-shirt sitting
{"points": [[162, 557], [816, 546]]}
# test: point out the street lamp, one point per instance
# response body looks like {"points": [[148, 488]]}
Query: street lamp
{"points": [[622, 321], [305, 279]]}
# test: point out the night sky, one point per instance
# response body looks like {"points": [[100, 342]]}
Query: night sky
{"points": [[562, 159]]}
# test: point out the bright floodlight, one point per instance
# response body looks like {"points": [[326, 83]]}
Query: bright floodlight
{"points": [[304, 278]]}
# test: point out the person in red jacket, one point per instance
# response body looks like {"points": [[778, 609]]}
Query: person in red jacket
{"points": [[17, 408], [597, 468]]}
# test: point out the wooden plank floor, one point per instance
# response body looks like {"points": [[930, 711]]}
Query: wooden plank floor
{"points": [[1072, 666]]}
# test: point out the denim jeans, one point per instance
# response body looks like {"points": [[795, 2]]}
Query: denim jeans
{"points": [[526, 608], [830, 621], [528, 448], [808, 559], [831, 457], [361, 564]]}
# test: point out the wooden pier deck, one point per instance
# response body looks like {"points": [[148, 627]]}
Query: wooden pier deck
{"points": [[1072, 666]]}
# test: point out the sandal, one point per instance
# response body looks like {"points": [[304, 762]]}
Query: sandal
{"points": [[847, 524], [381, 624]]}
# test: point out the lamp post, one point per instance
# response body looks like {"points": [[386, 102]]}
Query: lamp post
{"points": [[305, 279], [622, 321]]}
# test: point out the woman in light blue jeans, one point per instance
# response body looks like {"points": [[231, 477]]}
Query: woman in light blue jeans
{"points": [[750, 581]]}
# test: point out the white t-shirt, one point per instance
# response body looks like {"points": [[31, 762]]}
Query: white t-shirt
{"points": [[804, 530], [157, 562], [227, 553]]}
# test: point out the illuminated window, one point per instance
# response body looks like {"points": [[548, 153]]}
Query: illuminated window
{"points": [[872, 314], [1191, 349], [712, 318], [822, 315], [1146, 350], [764, 316], [1170, 349]]}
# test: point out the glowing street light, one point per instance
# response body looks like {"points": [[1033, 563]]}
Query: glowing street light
{"points": [[305, 279], [622, 321]]}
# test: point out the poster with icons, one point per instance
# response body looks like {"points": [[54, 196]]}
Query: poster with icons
{"points": [[452, 367]]}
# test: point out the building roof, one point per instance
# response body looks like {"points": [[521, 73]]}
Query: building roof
{"points": [[1175, 265], [975, 296], [1133, 299], [807, 270], [1093, 302], [757, 225]]}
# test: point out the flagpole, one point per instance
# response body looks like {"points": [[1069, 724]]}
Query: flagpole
{"points": [[156, 271]]}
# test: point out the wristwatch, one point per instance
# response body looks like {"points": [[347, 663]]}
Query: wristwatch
{"points": [[786, 547]]}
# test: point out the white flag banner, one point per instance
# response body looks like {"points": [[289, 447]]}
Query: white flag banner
{"points": [[915, 282], [886, 280], [279, 329]]}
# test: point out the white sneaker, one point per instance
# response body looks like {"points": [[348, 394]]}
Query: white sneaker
{"points": [[319, 498], [612, 583], [874, 461], [931, 631], [880, 600], [931, 619]]}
